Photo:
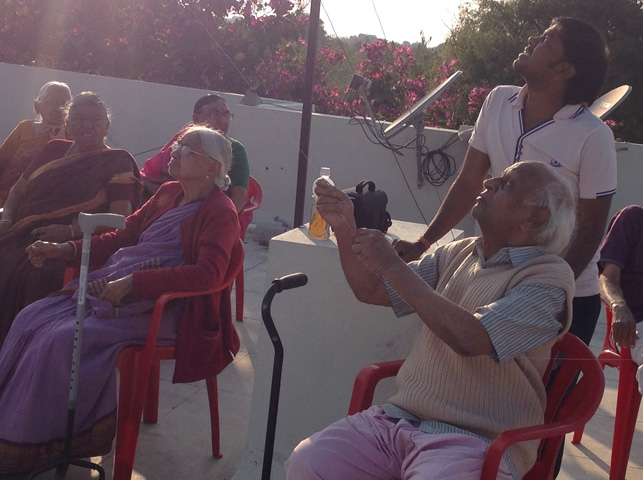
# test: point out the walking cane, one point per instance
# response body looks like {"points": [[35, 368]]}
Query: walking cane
{"points": [[88, 224], [294, 280]]}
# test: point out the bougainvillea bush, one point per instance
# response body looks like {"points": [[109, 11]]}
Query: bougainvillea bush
{"points": [[224, 45]]}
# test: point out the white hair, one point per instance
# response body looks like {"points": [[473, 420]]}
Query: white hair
{"points": [[44, 91], [554, 194], [218, 148]]}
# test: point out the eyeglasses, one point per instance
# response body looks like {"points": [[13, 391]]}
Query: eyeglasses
{"points": [[183, 150]]}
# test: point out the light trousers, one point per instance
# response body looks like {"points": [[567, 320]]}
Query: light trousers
{"points": [[370, 445]]}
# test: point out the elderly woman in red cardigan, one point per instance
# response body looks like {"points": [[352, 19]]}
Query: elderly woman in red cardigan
{"points": [[181, 239]]}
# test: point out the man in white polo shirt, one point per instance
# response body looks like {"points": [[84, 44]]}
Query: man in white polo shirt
{"points": [[546, 120]]}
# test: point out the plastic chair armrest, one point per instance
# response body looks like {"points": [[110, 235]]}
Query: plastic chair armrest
{"points": [[366, 381]]}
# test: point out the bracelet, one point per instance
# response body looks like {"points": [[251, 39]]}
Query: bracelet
{"points": [[621, 303], [73, 254], [425, 243], [6, 221]]}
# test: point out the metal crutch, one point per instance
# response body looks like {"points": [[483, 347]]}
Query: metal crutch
{"points": [[278, 285], [88, 224]]}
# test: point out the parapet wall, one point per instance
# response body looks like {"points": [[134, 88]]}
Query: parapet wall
{"points": [[146, 115]]}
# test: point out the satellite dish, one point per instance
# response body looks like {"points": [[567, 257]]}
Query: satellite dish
{"points": [[408, 117], [606, 104]]}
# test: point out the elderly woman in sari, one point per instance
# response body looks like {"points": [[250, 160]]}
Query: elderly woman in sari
{"points": [[181, 239], [26, 140], [66, 178]]}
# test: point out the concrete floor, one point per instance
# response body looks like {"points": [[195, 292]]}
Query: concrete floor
{"points": [[178, 446]]}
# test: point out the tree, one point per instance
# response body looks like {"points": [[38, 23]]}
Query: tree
{"points": [[397, 82], [196, 43], [227, 45], [233, 45], [490, 34]]}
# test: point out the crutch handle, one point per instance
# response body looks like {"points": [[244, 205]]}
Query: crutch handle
{"points": [[88, 222]]}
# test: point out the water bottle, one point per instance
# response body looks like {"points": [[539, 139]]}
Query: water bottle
{"points": [[318, 228]]}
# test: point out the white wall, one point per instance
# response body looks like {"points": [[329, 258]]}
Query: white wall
{"points": [[146, 115]]}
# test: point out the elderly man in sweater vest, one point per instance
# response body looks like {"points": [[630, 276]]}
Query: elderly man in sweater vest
{"points": [[491, 308]]}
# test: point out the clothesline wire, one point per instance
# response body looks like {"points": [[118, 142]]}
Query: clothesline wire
{"points": [[220, 47], [437, 166], [395, 149], [378, 19]]}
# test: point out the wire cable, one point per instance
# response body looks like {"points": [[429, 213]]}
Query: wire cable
{"points": [[337, 38], [439, 165], [408, 186], [235, 66], [379, 20], [155, 149]]}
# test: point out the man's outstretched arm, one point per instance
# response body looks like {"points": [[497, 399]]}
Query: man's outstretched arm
{"points": [[455, 326]]}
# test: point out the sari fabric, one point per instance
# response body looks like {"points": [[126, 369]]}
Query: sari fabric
{"points": [[35, 362], [18, 151], [207, 340], [59, 187]]}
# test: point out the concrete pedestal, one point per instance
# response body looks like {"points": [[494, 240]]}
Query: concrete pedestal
{"points": [[327, 335]]}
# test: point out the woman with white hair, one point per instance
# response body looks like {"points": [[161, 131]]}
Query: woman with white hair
{"points": [[180, 240], [26, 140]]}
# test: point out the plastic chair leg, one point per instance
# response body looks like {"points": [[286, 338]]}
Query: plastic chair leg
{"points": [[213, 397], [578, 435], [627, 408], [151, 409], [130, 409], [238, 288]]}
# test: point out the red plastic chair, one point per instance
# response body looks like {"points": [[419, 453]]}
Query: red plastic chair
{"points": [[255, 197], [562, 415], [627, 403], [139, 379]]}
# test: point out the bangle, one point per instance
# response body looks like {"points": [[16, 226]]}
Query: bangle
{"points": [[425, 243], [71, 232], [73, 254], [6, 221]]}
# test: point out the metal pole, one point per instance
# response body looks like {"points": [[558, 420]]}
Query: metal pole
{"points": [[306, 114]]}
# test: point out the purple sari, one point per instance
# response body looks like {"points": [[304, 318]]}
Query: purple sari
{"points": [[35, 361]]}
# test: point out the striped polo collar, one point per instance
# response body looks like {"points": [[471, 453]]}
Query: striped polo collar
{"points": [[514, 255], [568, 112]]}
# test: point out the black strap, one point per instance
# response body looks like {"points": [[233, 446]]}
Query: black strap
{"points": [[360, 186]]}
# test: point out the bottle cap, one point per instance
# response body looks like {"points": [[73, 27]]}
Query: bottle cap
{"points": [[324, 172]]}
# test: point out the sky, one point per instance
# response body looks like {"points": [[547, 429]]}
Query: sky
{"points": [[401, 20]]}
